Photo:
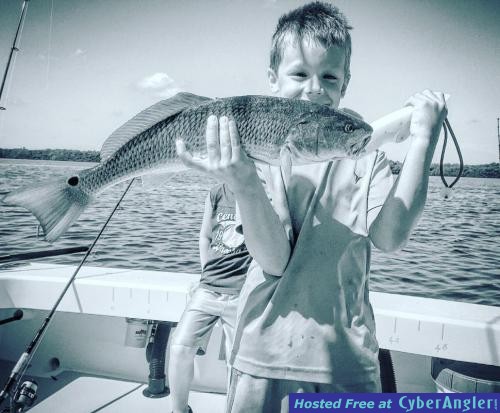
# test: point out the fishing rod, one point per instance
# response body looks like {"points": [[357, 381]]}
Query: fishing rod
{"points": [[10, 388], [14, 48]]}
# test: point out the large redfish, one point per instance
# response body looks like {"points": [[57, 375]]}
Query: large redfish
{"points": [[273, 130]]}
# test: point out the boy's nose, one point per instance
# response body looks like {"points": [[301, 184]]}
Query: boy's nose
{"points": [[314, 86]]}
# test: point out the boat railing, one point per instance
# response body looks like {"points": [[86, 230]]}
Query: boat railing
{"points": [[31, 255]]}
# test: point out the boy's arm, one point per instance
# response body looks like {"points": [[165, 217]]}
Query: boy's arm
{"points": [[205, 232], [406, 200], [265, 236]]}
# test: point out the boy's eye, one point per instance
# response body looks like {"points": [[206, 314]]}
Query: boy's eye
{"points": [[329, 77], [300, 74]]}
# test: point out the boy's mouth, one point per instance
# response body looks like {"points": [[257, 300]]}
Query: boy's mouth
{"points": [[321, 100]]}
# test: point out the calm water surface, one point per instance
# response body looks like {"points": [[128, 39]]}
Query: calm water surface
{"points": [[453, 254]]}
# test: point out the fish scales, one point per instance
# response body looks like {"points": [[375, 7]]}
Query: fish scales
{"points": [[261, 129], [274, 130]]}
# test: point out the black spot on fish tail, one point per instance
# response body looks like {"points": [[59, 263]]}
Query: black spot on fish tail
{"points": [[73, 181]]}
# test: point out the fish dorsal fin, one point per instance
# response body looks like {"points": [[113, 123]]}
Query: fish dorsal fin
{"points": [[147, 118]]}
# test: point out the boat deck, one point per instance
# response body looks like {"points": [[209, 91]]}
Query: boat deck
{"points": [[74, 393], [115, 396]]}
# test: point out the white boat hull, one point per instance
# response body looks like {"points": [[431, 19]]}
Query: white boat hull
{"points": [[84, 347]]}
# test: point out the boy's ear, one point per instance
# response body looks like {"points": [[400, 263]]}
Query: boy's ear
{"points": [[346, 83], [273, 80]]}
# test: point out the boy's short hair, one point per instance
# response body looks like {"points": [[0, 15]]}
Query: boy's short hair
{"points": [[317, 21]]}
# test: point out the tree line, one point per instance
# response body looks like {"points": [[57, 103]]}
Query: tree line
{"points": [[51, 154], [491, 170]]}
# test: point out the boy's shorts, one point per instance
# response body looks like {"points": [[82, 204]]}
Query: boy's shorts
{"points": [[201, 314], [251, 394]]}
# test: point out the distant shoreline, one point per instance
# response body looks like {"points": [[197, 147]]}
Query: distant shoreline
{"points": [[491, 170]]}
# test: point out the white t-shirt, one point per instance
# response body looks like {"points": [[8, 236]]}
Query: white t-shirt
{"points": [[315, 323]]}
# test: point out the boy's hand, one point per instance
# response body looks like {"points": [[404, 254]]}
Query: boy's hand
{"points": [[226, 160], [428, 116]]}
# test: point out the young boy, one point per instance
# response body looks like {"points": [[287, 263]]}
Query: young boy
{"points": [[224, 261], [305, 323]]}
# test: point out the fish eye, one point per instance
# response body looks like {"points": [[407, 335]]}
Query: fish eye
{"points": [[73, 181], [348, 128]]}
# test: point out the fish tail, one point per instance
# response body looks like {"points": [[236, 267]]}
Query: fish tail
{"points": [[56, 204]]}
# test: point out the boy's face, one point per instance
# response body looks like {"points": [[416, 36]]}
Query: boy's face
{"points": [[308, 71]]}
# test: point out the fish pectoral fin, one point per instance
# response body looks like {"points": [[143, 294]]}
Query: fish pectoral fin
{"points": [[286, 164], [147, 118]]}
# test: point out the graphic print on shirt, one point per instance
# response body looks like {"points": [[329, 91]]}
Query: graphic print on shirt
{"points": [[225, 238]]}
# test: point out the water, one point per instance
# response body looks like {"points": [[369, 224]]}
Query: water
{"points": [[453, 254]]}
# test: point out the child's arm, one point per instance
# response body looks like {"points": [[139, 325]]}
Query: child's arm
{"points": [[205, 232], [405, 203], [265, 236]]}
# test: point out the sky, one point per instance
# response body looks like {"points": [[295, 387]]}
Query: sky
{"points": [[86, 67]]}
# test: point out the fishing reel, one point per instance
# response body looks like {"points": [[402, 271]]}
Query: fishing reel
{"points": [[24, 397]]}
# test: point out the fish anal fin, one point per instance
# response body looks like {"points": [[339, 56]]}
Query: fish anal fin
{"points": [[147, 118], [158, 178]]}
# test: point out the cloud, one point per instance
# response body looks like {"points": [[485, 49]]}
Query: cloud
{"points": [[169, 92], [473, 121], [156, 82], [79, 52], [160, 84]]}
